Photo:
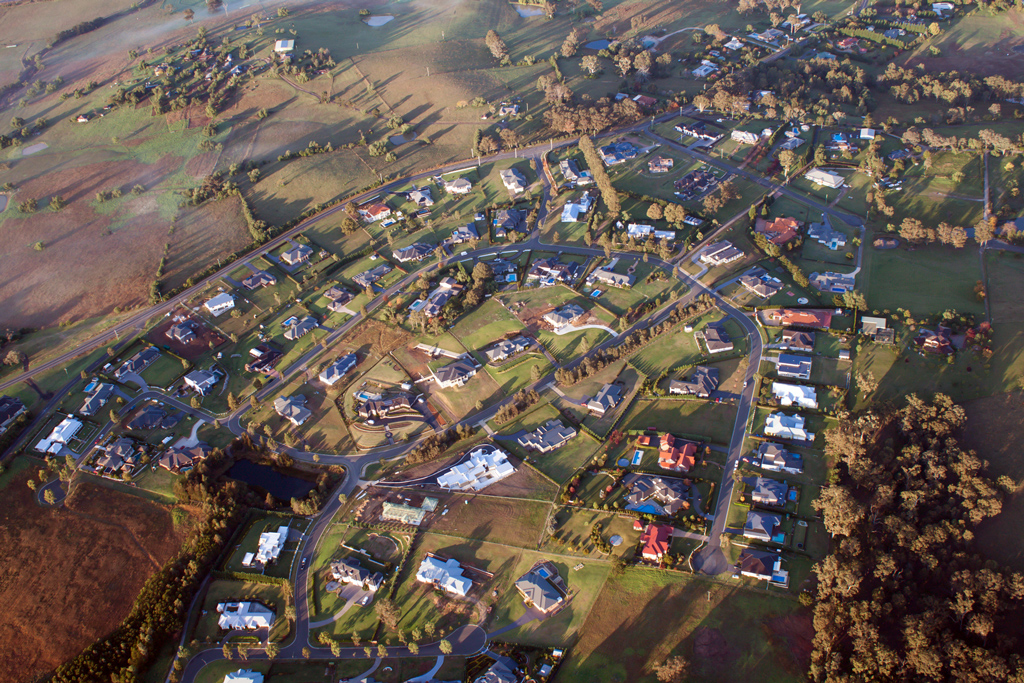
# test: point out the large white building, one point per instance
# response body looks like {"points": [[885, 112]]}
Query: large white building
{"points": [[445, 575], [244, 676], [795, 395], [220, 304], [787, 427], [59, 437], [244, 616], [485, 466], [824, 178], [269, 548]]}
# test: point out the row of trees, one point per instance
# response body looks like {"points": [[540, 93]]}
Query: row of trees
{"points": [[601, 179]]}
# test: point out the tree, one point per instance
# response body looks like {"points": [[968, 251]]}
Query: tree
{"points": [[57, 203], [496, 45], [272, 649], [702, 102], [28, 206], [445, 647], [655, 212], [227, 650], [787, 158], [413, 648], [912, 230], [591, 64], [482, 272], [388, 612], [839, 510], [985, 230], [382, 651], [49, 497], [282, 12], [15, 357], [672, 670], [306, 652], [189, 15]]}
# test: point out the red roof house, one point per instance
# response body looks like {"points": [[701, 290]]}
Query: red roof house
{"points": [[374, 212], [787, 317], [780, 230], [676, 454], [655, 540]]}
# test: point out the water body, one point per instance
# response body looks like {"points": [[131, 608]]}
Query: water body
{"points": [[529, 11], [379, 20], [598, 45], [280, 486], [397, 140]]}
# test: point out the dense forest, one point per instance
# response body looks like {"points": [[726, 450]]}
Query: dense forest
{"points": [[905, 596]]}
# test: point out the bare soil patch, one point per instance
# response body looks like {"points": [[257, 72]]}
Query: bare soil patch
{"points": [[69, 576], [376, 336], [202, 165]]}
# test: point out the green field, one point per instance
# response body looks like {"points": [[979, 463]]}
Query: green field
{"points": [[488, 323], [924, 281], [694, 419]]}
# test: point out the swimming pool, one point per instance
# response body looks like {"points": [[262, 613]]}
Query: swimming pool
{"points": [[637, 457], [290, 321]]}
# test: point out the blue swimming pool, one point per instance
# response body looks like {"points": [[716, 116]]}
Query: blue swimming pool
{"points": [[637, 457], [290, 321]]}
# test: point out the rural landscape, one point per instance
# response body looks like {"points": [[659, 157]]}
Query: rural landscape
{"points": [[478, 341]]}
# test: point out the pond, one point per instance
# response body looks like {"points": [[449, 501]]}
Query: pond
{"points": [[280, 486], [529, 11], [598, 45], [379, 20], [397, 140]]}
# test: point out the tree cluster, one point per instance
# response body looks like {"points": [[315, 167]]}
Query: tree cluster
{"points": [[522, 400], [905, 595], [601, 179]]}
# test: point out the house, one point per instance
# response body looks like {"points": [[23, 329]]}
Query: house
{"points": [[702, 382], [795, 367], [374, 211], [139, 362], [435, 302], [486, 465], [507, 109], [117, 454], [780, 230], [413, 252], [499, 672], [825, 234], [338, 369], [834, 283], [407, 514], [795, 395], [339, 299], [617, 153], [349, 571], [96, 399], [775, 458], [60, 436], [824, 178], [745, 137], [939, 341], [733, 45], [645, 101], [507, 220], [268, 548], [572, 173], [576, 211], [705, 69], [803, 317], [660, 164], [300, 328], [297, 255], [444, 575], [941, 8], [763, 565], [758, 282], [639, 230], [537, 589], [220, 304], [611, 279], [551, 271], [244, 616], [716, 339], [264, 358], [82, 118], [421, 197], [771, 492], [546, 438], [654, 542], [284, 46], [675, 454], [11, 408], [376, 408], [697, 129], [244, 676], [791, 142], [607, 398], [368, 277], [458, 186], [869, 325], [201, 380], [182, 458], [465, 233], [455, 374], [182, 332], [655, 495], [720, 253], [292, 408], [153, 417], [260, 279], [506, 349], [826, 56], [761, 526], [514, 180], [846, 44], [789, 427], [566, 315], [797, 340]]}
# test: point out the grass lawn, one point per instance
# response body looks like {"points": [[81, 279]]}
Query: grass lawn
{"points": [[488, 323], [673, 348], [574, 527], [250, 541], [584, 586], [566, 347], [513, 522], [163, 372], [925, 281], [518, 374], [645, 616], [221, 590], [529, 421], [1005, 273], [618, 301], [694, 419]]}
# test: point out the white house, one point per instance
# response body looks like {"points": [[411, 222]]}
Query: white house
{"points": [[244, 616], [338, 369], [445, 575], [485, 466], [244, 676], [745, 137], [787, 427], [284, 46], [795, 395], [220, 304], [200, 380], [268, 548], [720, 253], [824, 178]]}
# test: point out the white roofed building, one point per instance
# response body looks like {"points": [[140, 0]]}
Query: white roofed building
{"points": [[446, 575], [795, 395], [244, 616], [244, 676], [485, 466], [787, 427], [220, 304], [269, 547]]}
